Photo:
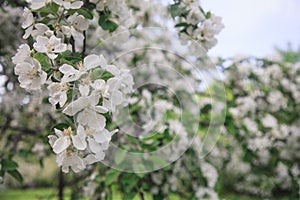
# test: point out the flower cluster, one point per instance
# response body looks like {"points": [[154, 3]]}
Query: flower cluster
{"points": [[262, 125], [195, 25], [86, 90]]}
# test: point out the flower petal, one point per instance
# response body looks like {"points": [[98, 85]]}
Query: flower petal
{"points": [[61, 144], [75, 106], [93, 145], [79, 142], [102, 136], [52, 139], [84, 90], [91, 61], [91, 158]]}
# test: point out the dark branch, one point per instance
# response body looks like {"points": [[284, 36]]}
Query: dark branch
{"points": [[72, 41], [84, 45]]}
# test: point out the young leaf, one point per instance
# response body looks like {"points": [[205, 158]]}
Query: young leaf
{"points": [[16, 174], [120, 156], [130, 196], [107, 24], [44, 60], [9, 165], [138, 168], [129, 181], [111, 177], [85, 12]]}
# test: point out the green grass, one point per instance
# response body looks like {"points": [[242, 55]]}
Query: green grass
{"points": [[50, 194], [30, 194]]}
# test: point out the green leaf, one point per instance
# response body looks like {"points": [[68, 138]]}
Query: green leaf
{"points": [[52, 8], [175, 10], [129, 181], [137, 168], [130, 196], [44, 60], [106, 75], [41, 162], [154, 136], [16, 174], [208, 15], [120, 156], [67, 57], [9, 165], [107, 24], [45, 9], [111, 177], [64, 61], [97, 73], [85, 12], [157, 160], [182, 24]]}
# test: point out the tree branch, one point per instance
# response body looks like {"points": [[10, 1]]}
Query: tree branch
{"points": [[84, 45], [72, 41]]}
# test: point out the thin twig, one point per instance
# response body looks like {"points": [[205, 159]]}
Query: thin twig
{"points": [[84, 45], [72, 41]]}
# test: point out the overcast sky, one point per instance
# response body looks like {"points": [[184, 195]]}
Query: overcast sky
{"points": [[255, 27]]}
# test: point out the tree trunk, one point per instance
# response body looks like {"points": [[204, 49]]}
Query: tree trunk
{"points": [[61, 185]]}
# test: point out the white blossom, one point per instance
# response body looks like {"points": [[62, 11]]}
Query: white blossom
{"points": [[76, 24], [30, 74], [22, 54], [67, 160], [37, 4], [89, 113], [28, 18], [269, 121], [51, 46], [58, 93], [70, 74], [69, 4], [61, 141]]}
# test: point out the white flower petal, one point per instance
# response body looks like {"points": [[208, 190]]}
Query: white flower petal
{"points": [[117, 98], [96, 121], [65, 169], [76, 5], [98, 84], [58, 132], [22, 54], [102, 136], [84, 90], [75, 106], [77, 164], [101, 109], [60, 157], [113, 70], [63, 98], [60, 48], [103, 62], [79, 142], [91, 62], [93, 145], [61, 144], [52, 139], [91, 158], [65, 68], [28, 18], [92, 119]]}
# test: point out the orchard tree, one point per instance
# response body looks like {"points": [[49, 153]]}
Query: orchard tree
{"points": [[257, 154], [111, 84]]}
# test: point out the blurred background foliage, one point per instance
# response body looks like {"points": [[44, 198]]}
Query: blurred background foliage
{"points": [[24, 127]]}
